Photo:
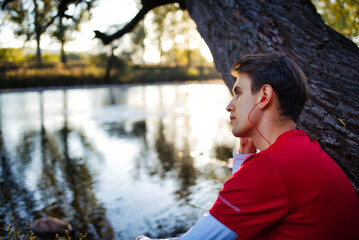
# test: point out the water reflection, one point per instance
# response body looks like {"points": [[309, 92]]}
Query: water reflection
{"points": [[187, 174], [16, 201], [70, 195], [114, 162], [165, 152]]}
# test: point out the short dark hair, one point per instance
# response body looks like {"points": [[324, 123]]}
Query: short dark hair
{"points": [[282, 74]]}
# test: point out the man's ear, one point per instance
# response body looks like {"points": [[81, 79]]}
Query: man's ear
{"points": [[266, 95]]}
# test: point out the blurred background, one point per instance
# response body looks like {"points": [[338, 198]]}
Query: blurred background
{"points": [[41, 49], [122, 139], [165, 46]]}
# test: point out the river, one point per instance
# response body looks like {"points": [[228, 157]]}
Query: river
{"points": [[115, 162]]}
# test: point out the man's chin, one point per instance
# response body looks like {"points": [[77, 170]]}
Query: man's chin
{"points": [[239, 134], [236, 134]]}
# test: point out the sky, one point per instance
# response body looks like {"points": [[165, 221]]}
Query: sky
{"points": [[107, 12]]}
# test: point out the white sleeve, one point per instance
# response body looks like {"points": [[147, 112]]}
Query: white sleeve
{"points": [[209, 228], [206, 228], [238, 159]]}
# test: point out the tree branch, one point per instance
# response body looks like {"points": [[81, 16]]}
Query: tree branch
{"points": [[147, 5], [62, 8]]}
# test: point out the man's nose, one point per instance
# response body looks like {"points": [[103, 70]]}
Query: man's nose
{"points": [[229, 107]]}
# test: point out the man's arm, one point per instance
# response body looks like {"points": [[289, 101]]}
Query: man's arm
{"points": [[206, 228]]}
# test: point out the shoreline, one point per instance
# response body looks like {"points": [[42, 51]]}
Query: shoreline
{"points": [[116, 85]]}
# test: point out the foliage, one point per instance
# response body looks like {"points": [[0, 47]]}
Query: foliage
{"points": [[12, 234], [32, 18], [14, 55], [99, 60], [91, 72], [176, 36], [138, 36], [168, 73], [76, 56], [16, 235], [11, 54], [159, 16], [184, 56], [342, 15]]}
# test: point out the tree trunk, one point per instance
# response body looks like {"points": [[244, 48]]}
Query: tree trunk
{"points": [[109, 66], [38, 50], [62, 41], [232, 28], [189, 57], [38, 32], [63, 54]]}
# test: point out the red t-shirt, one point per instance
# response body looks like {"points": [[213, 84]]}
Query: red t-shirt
{"points": [[292, 190]]}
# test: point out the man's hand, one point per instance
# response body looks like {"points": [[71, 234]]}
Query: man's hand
{"points": [[246, 145]]}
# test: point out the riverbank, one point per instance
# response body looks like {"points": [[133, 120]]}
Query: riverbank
{"points": [[116, 85], [80, 74]]}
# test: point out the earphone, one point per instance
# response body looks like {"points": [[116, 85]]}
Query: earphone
{"points": [[262, 100]]}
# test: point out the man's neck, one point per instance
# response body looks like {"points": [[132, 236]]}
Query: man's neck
{"points": [[270, 132]]}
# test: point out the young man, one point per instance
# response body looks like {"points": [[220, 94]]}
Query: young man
{"points": [[290, 189]]}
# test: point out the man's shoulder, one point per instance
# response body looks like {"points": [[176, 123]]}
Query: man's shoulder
{"points": [[259, 168], [292, 146]]}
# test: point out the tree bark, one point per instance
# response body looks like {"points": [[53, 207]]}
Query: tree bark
{"points": [[232, 28]]}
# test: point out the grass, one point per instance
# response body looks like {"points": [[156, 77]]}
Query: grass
{"points": [[25, 75], [80, 73], [16, 235]]}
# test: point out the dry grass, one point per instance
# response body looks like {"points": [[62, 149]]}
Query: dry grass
{"points": [[79, 73]]}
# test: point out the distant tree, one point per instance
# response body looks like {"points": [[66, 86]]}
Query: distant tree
{"points": [[158, 21], [31, 18], [342, 15], [70, 21], [124, 51], [137, 39], [110, 60]]}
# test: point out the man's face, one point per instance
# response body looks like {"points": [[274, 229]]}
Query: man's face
{"points": [[240, 106]]}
